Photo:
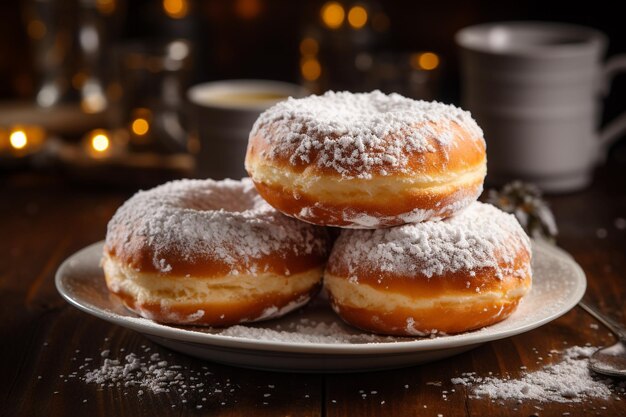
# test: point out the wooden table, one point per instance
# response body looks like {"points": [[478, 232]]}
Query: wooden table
{"points": [[44, 220]]}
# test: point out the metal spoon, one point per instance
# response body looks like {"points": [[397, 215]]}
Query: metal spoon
{"points": [[610, 360]]}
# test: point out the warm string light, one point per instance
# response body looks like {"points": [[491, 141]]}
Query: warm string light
{"points": [[140, 123], [310, 67], [98, 143], [357, 17], [18, 139], [176, 9], [140, 126], [248, 9], [429, 61], [22, 139], [425, 61], [106, 7], [332, 14]]}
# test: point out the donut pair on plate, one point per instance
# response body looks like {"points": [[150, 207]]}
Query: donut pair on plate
{"points": [[427, 257]]}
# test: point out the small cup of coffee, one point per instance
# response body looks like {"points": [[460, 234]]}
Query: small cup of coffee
{"points": [[222, 114]]}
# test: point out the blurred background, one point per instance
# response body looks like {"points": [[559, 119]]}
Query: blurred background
{"points": [[96, 90]]}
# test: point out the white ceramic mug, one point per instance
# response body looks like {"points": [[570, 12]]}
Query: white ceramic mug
{"points": [[222, 113], [535, 88]]}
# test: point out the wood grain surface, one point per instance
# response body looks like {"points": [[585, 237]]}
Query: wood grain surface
{"points": [[44, 340]]}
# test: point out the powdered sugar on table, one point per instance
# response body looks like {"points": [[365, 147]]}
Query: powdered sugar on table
{"points": [[568, 380]]}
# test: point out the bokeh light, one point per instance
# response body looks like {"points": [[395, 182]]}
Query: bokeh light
{"points": [[100, 142], [247, 9], [140, 126], [36, 29], [425, 61], [18, 139], [106, 7], [309, 47], [176, 9], [333, 14], [310, 69], [357, 17]]}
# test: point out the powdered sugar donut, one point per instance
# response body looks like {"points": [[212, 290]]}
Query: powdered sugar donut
{"points": [[448, 276], [210, 253], [366, 160]]}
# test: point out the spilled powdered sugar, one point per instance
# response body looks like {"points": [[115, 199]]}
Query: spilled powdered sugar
{"points": [[224, 219], [356, 134], [471, 240], [145, 373], [568, 380], [173, 381], [153, 373]]}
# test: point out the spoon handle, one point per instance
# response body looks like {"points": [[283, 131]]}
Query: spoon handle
{"points": [[613, 325]]}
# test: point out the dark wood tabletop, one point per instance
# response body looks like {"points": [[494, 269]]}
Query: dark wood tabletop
{"points": [[44, 340]]}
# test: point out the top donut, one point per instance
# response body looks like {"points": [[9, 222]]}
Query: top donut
{"points": [[366, 160]]}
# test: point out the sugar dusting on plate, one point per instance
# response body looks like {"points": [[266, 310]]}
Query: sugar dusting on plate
{"points": [[306, 331]]}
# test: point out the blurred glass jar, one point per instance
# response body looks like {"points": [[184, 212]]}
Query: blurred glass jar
{"points": [[148, 94], [415, 75], [70, 44], [337, 33]]}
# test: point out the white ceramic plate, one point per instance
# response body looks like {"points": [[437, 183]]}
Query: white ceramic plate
{"points": [[314, 339]]}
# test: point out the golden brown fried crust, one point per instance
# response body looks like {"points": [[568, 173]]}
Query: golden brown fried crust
{"points": [[141, 258], [332, 214], [439, 180], [470, 311], [214, 314], [419, 285], [449, 320]]}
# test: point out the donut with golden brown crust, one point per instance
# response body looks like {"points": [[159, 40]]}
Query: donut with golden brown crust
{"points": [[366, 160], [449, 276], [207, 252]]}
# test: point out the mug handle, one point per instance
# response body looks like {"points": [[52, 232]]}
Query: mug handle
{"points": [[614, 129]]}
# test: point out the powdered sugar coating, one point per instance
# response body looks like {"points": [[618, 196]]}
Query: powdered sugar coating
{"points": [[224, 220], [475, 238], [360, 134]]}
